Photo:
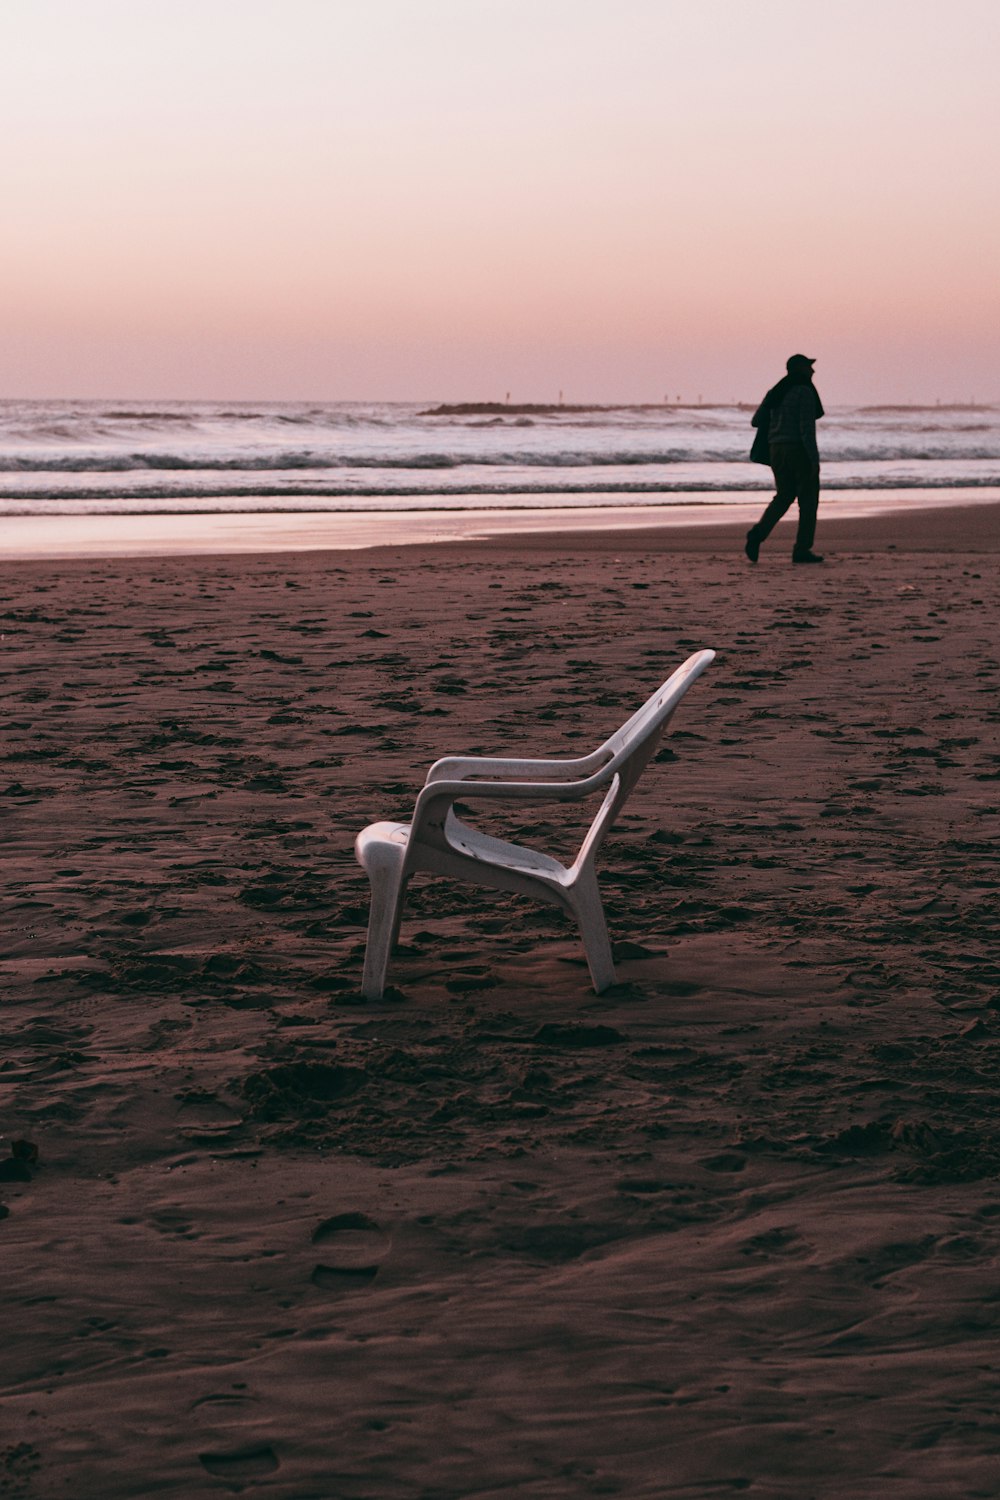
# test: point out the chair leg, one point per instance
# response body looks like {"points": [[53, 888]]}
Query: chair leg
{"points": [[384, 918], [589, 911]]}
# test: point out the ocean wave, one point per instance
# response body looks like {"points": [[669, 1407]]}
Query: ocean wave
{"points": [[90, 423], [195, 499], [66, 456], [123, 463], [283, 459]]}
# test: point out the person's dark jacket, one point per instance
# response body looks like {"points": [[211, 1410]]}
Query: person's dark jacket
{"points": [[800, 417]]}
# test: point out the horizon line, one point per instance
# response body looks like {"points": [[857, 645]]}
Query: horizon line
{"points": [[482, 404]]}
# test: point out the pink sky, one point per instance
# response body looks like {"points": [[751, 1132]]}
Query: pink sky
{"points": [[615, 199]]}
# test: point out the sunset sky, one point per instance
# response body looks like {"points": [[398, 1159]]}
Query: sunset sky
{"points": [[615, 199]]}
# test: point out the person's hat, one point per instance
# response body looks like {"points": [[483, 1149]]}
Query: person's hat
{"points": [[799, 362]]}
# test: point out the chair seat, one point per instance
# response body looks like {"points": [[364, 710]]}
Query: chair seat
{"points": [[388, 842], [493, 851]]}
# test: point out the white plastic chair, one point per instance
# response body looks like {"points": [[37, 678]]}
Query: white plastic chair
{"points": [[438, 840]]}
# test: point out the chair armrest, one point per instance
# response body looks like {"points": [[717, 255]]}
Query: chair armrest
{"points": [[506, 770], [466, 790]]}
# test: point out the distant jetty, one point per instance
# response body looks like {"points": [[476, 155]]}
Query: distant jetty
{"points": [[530, 408], [938, 406]]}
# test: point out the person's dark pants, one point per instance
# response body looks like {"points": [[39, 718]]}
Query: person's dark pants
{"points": [[796, 477]]}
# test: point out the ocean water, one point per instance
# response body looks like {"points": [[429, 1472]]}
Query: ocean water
{"points": [[166, 457]]}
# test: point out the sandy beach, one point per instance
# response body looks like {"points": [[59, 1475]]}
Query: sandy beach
{"points": [[732, 1227]]}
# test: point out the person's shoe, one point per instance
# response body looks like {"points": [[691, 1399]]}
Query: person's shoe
{"points": [[752, 546], [806, 557]]}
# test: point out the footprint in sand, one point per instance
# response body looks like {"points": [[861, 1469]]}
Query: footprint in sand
{"points": [[354, 1247], [241, 1463], [781, 1240]]}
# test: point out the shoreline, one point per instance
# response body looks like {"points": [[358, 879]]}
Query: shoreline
{"points": [[842, 513]]}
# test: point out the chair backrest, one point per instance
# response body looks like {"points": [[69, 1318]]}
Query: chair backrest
{"points": [[619, 761], [652, 717], [630, 748]]}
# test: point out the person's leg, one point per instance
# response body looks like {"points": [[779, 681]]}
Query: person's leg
{"points": [[786, 476], [808, 491], [786, 473]]}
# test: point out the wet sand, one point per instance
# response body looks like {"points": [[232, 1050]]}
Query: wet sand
{"points": [[732, 1227], [228, 533]]}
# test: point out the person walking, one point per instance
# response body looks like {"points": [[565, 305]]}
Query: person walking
{"points": [[786, 439]]}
